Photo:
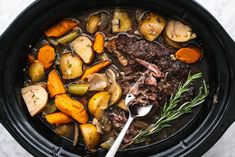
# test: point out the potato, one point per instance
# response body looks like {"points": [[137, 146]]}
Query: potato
{"points": [[50, 108], [122, 105], [171, 42], [93, 23], [121, 22], [107, 144], [66, 130], [36, 71], [151, 26], [35, 97], [116, 93], [98, 102], [99, 112], [179, 32], [83, 47], [90, 136], [70, 66]]}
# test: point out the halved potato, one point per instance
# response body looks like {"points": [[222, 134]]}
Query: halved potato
{"points": [[179, 32], [98, 102], [171, 42], [151, 26], [116, 93], [122, 105], [107, 144], [90, 136], [83, 47], [70, 66], [36, 71], [99, 112], [121, 21], [93, 23], [35, 97]]}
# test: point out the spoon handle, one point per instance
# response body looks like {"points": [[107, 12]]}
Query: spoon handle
{"points": [[112, 151]]}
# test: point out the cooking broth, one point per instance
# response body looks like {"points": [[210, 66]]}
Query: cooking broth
{"points": [[129, 53]]}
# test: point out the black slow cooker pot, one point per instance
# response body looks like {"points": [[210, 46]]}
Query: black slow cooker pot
{"points": [[215, 116]]}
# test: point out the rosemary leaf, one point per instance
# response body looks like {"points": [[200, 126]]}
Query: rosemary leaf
{"points": [[171, 111]]}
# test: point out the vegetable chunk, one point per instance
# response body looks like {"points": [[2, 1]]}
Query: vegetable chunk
{"points": [[36, 71], [83, 47], [58, 118], [70, 66], [35, 97], [46, 56], [98, 43], [90, 135], [189, 55], [71, 107], [96, 68], [61, 28], [54, 84]]}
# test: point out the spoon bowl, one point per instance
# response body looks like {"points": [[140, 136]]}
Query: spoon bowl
{"points": [[139, 111]]}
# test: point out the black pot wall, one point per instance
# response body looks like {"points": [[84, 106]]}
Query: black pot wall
{"points": [[40, 141]]}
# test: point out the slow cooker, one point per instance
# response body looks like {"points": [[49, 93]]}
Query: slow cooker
{"points": [[215, 116]]}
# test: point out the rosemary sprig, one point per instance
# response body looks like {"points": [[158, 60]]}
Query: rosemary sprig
{"points": [[171, 111]]}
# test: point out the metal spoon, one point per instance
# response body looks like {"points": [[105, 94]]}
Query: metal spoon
{"points": [[140, 111]]}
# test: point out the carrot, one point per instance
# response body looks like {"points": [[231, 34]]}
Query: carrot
{"points": [[61, 28], [58, 118], [189, 55], [98, 42], [46, 55], [71, 107], [54, 84], [31, 58], [96, 68]]}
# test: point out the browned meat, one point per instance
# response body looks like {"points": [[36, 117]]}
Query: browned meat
{"points": [[118, 119], [157, 76], [140, 48], [151, 67]]}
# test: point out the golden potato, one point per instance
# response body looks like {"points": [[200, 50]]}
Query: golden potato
{"points": [[151, 26], [36, 71], [90, 135], [82, 45], [121, 21], [70, 66], [98, 102]]}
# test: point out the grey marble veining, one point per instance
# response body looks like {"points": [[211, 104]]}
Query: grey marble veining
{"points": [[224, 12]]}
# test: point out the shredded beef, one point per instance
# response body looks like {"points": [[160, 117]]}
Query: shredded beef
{"points": [[157, 76]]}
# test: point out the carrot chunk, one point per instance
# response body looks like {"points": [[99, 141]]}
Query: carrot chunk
{"points": [[46, 56], [61, 28], [54, 84], [189, 55], [98, 42], [71, 107], [58, 118], [96, 68]]}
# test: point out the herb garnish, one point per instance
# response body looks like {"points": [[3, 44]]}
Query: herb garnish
{"points": [[171, 111]]}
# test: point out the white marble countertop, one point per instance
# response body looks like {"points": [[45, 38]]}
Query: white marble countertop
{"points": [[224, 12]]}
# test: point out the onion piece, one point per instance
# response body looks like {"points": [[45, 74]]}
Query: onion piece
{"points": [[97, 82]]}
